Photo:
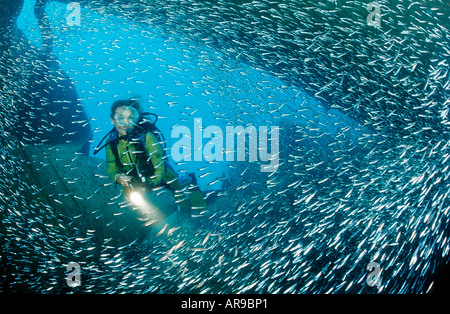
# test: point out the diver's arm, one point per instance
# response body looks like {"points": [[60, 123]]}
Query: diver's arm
{"points": [[155, 151], [111, 166], [113, 170]]}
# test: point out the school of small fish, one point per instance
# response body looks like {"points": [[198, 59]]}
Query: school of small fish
{"points": [[364, 159]]}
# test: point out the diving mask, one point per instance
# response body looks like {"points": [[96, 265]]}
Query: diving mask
{"points": [[126, 116]]}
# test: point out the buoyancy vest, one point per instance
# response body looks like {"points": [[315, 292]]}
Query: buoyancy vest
{"points": [[144, 167]]}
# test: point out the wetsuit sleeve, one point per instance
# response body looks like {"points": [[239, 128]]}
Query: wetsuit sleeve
{"points": [[111, 164], [155, 152]]}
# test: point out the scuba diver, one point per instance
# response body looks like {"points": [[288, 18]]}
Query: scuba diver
{"points": [[135, 158]]}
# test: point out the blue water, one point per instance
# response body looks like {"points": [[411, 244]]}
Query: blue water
{"points": [[348, 192], [109, 59]]}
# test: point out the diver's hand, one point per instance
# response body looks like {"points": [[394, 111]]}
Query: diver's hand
{"points": [[123, 180], [151, 185]]}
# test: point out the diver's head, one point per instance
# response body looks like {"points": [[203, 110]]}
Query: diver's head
{"points": [[125, 115]]}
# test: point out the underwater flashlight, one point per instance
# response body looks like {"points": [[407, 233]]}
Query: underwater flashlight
{"points": [[136, 198]]}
